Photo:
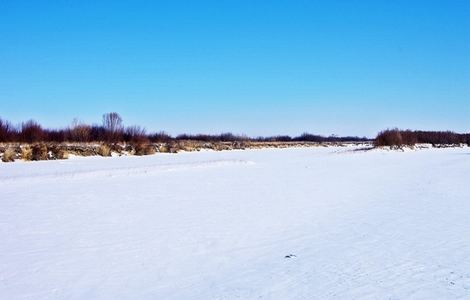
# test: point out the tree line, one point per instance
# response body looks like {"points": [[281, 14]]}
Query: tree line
{"points": [[112, 130], [400, 138]]}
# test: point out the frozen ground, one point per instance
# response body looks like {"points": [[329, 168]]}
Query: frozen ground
{"points": [[219, 225]]}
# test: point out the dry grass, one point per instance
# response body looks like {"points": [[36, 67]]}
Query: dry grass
{"points": [[26, 153], [164, 148], [9, 155], [104, 150]]}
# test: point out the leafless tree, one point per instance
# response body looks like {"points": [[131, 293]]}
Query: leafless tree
{"points": [[112, 123]]}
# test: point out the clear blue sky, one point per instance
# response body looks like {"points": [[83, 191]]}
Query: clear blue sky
{"points": [[254, 67]]}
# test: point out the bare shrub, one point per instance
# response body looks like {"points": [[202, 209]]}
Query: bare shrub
{"points": [[389, 137], [7, 131], [104, 150], [135, 134], [39, 152], [31, 132], [97, 133], [26, 153], [55, 135], [80, 132], [160, 137], [139, 140], [9, 155]]}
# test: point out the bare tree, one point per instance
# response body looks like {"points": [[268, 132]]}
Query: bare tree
{"points": [[112, 123]]}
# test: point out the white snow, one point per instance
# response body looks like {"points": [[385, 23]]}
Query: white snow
{"points": [[219, 225]]}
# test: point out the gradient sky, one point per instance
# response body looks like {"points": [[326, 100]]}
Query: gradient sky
{"points": [[255, 67]]}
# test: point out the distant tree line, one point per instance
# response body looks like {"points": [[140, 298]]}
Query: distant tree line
{"points": [[112, 130], [307, 137], [400, 138]]}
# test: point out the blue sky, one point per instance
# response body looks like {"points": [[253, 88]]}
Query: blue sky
{"points": [[254, 67]]}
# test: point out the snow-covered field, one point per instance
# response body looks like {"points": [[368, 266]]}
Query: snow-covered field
{"points": [[312, 223]]}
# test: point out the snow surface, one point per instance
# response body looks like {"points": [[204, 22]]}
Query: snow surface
{"points": [[311, 223]]}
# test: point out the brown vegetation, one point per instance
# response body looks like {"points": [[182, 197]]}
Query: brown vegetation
{"points": [[112, 131], [144, 149], [104, 150], [58, 152], [7, 131], [30, 141], [39, 152], [26, 153], [399, 138], [9, 155], [31, 132]]}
